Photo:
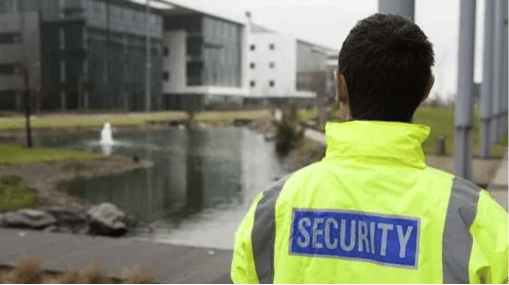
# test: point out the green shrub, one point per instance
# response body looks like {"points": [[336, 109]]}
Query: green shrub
{"points": [[287, 133], [12, 180]]}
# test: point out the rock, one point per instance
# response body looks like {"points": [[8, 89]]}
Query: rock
{"points": [[106, 219], [51, 229], [58, 229], [66, 217], [130, 222], [69, 221], [33, 219], [81, 229]]}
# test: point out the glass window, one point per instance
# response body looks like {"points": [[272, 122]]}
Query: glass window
{"points": [[252, 83], [166, 76], [272, 64], [166, 51], [208, 28], [6, 6], [85, 37], [85, 68], [194, 46], [272, 46], [28, 5], [231, 31], [10, 38], [252, 65], [128, 16], [194, 72], [221, 60], [218, 29], [272, 83], [7, 69], [225, 31], [253, 47]]}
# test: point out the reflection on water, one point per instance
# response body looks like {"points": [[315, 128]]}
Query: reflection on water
{"points": [[217, 170]]}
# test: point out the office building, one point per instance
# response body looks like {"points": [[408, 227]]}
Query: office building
{"points": [[91, 55], [283, 67]]}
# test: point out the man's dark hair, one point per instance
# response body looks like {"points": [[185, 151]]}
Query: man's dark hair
{"points": [[386, 61]]}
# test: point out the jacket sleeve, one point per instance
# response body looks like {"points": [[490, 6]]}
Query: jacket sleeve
{"points": [[243, 267], [489, 257]]}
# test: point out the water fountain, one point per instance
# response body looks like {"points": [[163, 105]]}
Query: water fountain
{"points": [[106, 139]]}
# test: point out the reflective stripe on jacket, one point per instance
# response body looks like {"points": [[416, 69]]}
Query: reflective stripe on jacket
{"points": [[372, 212]]}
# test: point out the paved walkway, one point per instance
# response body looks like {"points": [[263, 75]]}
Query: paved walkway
{"points": [[316, 136], [168, 263], [498, 187]]}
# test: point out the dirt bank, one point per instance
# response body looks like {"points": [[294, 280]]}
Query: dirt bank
{"points": [[46, 177]]}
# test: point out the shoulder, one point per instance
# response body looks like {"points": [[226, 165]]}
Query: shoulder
{"points": [[288, 183], [293, 178]]}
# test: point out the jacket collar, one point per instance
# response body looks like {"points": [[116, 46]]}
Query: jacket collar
{"points": [[377, 142]]}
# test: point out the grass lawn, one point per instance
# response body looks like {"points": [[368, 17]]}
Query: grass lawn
{"points": [[232, 115], [441, 122], [13, 196], [12, 154], [94, 120]]}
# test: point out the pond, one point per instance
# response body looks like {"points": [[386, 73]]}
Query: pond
{"points": [[201, 185]]}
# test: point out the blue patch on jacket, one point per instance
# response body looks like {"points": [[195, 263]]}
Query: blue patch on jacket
{"points": [[350, 235]]}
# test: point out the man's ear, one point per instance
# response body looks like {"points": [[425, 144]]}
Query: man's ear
{"points": [[430, 85], [341, 89]]}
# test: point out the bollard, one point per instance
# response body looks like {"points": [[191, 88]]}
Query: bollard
{"points": [[440, 151]]}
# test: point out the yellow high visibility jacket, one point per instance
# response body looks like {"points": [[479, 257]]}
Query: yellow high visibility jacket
{"points": [[372, 212]]}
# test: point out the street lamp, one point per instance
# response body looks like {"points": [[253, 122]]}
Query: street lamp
{"points": [[148, 58]]}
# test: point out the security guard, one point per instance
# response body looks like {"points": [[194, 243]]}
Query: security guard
{"points": [[372, 211]]}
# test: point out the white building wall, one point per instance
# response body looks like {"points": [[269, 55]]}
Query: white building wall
{"points": [[284, 72], [244, 60], [25, 54], [175, 62]]}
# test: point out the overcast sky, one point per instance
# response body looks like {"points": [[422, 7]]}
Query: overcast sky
{"points": [[327, 22]]}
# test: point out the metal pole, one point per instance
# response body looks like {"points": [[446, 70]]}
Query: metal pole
{"points": [[487, 79], [148, 62], [504, 94], [464, 99], [497, 72], [27, 108], [25, 68], [405, 8]]}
